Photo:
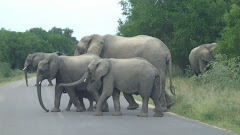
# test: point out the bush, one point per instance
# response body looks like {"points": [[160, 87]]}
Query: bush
{"points": [[5, 70], [223, 73]]}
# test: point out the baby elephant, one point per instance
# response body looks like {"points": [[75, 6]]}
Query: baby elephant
{"points": [[81, 95], [132, 76]]}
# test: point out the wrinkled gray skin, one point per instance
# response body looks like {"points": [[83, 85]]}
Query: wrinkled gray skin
{"points": [[34, 59], [200, 56], [67, 69], [131, 76], [149, 48]]}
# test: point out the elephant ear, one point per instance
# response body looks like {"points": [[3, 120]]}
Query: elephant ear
{"points": [[101, 68], [96, 45], [53, 65], [35, 60]]}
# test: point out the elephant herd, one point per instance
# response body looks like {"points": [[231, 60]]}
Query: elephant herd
{"points": [[104, 66]]}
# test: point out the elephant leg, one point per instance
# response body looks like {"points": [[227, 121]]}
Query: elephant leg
{"points": [[80, 99], [168, 100], [69, 105], [132, 104], [91, 104], [162, 93], [50, 82], [165, 99], [71, 92], [58, 94], [115, 95], [107, 92], [144, 111], [202, 66], [158, 107], [93, 90]]}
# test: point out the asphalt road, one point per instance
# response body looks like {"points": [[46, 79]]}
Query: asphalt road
{"points": [[21, 114]]}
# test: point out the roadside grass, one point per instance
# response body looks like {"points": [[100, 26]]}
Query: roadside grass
{"points": [[4, 81], [206, 103], [212, 97]]}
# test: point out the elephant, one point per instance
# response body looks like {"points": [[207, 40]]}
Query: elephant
{"points": [[200, 56], [81, 95], [132, 76], [67, 69], [147, 47], [34, 59]]}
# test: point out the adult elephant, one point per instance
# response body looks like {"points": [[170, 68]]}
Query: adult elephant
{"points": [[149, 48], [200, 56], [34, 59], [67, 69]]}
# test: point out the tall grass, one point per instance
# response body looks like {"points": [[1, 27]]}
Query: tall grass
{"points": [[213, 97]]}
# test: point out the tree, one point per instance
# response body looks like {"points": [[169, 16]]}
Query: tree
{"points": [[181, 25], [229, 43]]}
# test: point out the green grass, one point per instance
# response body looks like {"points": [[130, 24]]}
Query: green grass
{"points": [[208, 104], [4, 81]]}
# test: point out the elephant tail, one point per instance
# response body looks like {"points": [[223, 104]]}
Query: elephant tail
{"points": [[169, 64]]}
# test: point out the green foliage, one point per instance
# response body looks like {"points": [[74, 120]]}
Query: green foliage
{"points": [[15, 46], [4, 70], [224, 73], [181, 25], [229, 43]]}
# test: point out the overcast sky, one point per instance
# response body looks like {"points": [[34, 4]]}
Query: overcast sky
{"points": [[85, 17]]}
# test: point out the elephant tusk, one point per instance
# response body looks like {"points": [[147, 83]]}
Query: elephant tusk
{"points": [[39, 82], [85, 80], [24, 68]]}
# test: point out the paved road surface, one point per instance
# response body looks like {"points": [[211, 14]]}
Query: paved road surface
{"points": [[21, 114]]}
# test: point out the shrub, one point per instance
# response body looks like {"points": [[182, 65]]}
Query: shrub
{"points": [[223, 73], [5, 70]]}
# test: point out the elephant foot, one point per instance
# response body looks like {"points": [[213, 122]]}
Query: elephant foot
{"points": [[90, 109], [80, 109], [158, 114], [55, 110], [164, 109], [117, 113], [170, 105], [50, 84], [67, 109], [105, 109], [98, 113], [133, 106], [142, 114]]}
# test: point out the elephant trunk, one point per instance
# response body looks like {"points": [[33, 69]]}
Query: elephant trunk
{"points": [[83, 79], [26, 78], [40, 96]]}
